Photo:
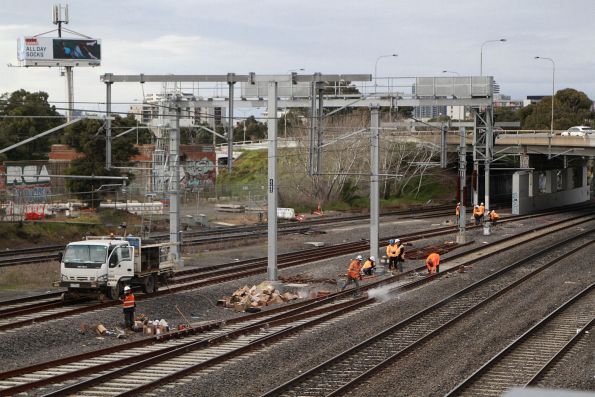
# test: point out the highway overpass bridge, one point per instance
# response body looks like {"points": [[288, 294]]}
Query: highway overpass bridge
{"points": [[534, 169]]}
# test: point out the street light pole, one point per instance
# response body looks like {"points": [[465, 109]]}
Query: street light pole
{"points": [[481, 53], [553, 94], [376, 69]]}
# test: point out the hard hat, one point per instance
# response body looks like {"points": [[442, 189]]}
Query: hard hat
{"points": [[397, 240], [391, 241], [126, 289], [373, 259], [481, 204], [430, 262], [359, 257], [458, 203]]}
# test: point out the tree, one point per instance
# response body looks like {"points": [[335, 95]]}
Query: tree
{"points": [[14, 130], [505, 114], [571, 107], [88, 137], [255, 130]]}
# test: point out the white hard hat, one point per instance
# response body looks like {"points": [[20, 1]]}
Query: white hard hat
{"points": [[359, 257], [481, 204], [398, 240], [373, 259], [126, 288]]}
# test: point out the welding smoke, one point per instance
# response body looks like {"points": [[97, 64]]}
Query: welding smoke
{"points": [[380, 293]]}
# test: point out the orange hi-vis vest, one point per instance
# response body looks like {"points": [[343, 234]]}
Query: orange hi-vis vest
{"points": [[494, 216], [481, 210], [354, 270], [434, 258], [128, 301], [393, 250], [458, 210]]}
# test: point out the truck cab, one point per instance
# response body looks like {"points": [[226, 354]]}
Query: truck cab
{"points": [[102, 266]]}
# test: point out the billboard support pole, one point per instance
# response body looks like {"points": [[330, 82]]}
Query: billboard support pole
{"points": [[70, 92]]}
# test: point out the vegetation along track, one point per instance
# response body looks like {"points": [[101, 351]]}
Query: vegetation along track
{"points": [[347, 370], [154, 365], [196, 278], [536, 349]]}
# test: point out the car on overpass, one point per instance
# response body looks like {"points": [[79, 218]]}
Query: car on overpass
{"points": [[580, 130]]}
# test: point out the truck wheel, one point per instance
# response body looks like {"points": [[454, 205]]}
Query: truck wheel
{"points": [[149, 284], [115, 292]]}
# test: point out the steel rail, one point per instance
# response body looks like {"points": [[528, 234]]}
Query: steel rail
{"points": [[560, 354], [305, 306], [227, 276], [333, 311], [208, 236], [295, 307], [401, 326], [504, 353]]}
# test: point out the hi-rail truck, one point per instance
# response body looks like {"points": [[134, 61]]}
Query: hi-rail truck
{"points": [[100, 266]]}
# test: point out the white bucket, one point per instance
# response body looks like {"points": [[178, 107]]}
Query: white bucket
{"points": [[486, 229]]}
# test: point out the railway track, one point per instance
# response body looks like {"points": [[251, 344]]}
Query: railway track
{"points": [[347, 370], [31, 313], [221, 234], [149, 366], [535, 349], [203, 344]]}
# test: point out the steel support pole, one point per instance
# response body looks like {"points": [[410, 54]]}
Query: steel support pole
{"points": [[488, 156], [108, 125], [272, 271], [230, 131], [443, 152], [311, 155], [174, 187], [461, 238], [70, 92], [374, 185], [475, 186], [319, 113]]}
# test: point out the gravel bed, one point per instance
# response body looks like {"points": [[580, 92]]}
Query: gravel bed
{"points": [[282, 361], [575, 370], [456, 354], [60, 338]]}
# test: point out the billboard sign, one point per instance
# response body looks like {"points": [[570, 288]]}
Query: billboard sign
{"points": [[50, 51]]}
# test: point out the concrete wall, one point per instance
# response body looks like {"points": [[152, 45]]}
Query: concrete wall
{"points": [[544, 192]]}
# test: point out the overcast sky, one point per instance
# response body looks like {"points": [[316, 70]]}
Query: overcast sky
{"points": [[333, 36]]}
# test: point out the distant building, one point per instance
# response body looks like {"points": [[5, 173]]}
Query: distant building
{"points": [[190, 115], [532, 99], [428, 112]]}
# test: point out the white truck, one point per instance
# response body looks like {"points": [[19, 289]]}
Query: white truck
{"points": [[100, 266]]}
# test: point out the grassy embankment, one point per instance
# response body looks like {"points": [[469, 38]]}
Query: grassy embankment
{"points": [[251, 170]]}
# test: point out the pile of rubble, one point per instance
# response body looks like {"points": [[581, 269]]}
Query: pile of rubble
{"points": [[251, 299]]}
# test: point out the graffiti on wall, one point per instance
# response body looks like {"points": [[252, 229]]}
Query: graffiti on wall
{"points": [[30, 183], [198, 174]]}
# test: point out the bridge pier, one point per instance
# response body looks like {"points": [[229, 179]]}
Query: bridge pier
{"points": [[554, 188]]}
